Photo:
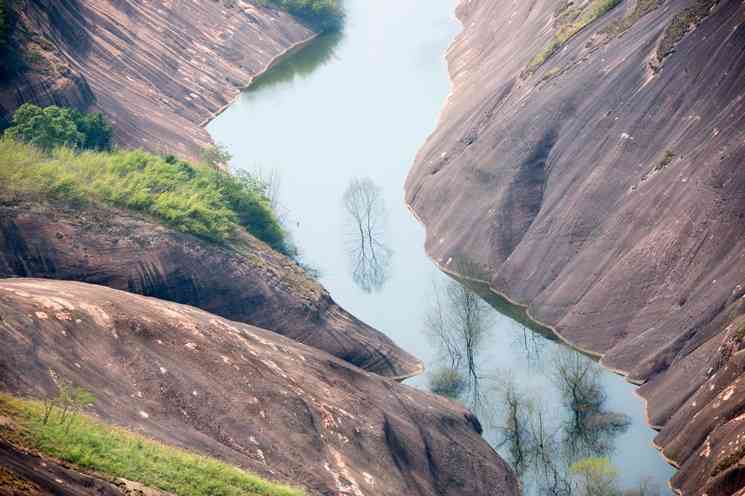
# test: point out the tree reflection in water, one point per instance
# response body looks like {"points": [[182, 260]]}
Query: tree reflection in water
{"points": [[457, 323], [368, 254], [541, 442]]}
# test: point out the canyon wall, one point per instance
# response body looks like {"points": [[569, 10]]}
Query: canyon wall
{"points": [[599, 182], [158, 69]]}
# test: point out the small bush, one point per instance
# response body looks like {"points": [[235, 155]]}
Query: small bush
{"points": [[447, 382], [118, 453], [53, 126], [324, 15], [666, 160], [196, 199]]}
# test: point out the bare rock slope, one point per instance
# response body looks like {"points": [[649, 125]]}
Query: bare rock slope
{"points": [[157, 69], [604, 189], [244, 281], [245, 395]]}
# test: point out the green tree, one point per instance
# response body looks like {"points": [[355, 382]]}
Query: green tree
{"points": [[216, 155], [45, 128], [596, 477], [96, 130], [52, 127]]}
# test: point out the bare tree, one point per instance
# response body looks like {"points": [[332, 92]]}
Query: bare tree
{"points": [[457, 322], [365, 234]]}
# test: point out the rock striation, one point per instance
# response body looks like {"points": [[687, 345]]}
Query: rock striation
{"points": [[245, 281], [604, 190], [158, 69], [242, 394]]}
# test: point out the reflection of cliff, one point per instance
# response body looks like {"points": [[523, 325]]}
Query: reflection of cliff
{"points": [[298, 65], [369, 257], [605, 191], [157, 69]]}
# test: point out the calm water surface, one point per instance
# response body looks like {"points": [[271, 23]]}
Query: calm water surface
{"points": [[358, 106]]}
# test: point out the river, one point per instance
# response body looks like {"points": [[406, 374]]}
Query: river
{"points": [[357, 106]]}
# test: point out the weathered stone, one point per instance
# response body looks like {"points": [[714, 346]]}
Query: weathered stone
{"points": [[245, 395]]}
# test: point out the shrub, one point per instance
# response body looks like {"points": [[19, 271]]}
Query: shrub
{"points": [[447, 382], [324, 15], [53, 126], [596, 477], [196, 199]]}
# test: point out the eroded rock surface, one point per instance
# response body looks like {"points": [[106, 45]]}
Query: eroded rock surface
{"points": [[245, 395], [606, 192], [246, 281], [157, 69]]}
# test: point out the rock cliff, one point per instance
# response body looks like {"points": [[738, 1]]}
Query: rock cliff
{"points": [[245, 395], [157, 69], [244, 281], [595, 176]]}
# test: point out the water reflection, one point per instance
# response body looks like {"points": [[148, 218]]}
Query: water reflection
{"points": [[304, 62], [457, 323], [364, 236], [543, 433]]}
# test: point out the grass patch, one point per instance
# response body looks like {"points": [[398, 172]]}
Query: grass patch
{"points": [[118, 453], [642, 8], [571, 20], [666, 160], [195, 199], [551, 74], [681, 24]]}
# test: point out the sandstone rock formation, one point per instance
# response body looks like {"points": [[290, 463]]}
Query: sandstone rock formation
{"points": [[606, 192], [157, 69], [246, 281], [245, 395]]}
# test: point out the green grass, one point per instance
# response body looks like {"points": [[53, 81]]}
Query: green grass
{"points": [[642, 8], [195, 199], [681, 24], [118, 453], [571, 21]]}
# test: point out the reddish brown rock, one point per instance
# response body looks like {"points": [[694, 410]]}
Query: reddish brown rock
{"points": [[606, 192], [245, 395], [157, 69], [245, 281]]}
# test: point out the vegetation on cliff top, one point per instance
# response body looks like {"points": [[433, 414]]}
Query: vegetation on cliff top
{"points": [[195, 199], [324, 15], [118, 453]]}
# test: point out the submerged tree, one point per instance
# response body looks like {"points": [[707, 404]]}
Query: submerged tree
{"points": [[365, 234], [591, 429], [457, 322], [448, 382]]}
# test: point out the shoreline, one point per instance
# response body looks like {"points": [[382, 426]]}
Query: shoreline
{"points": [[525, 309], [291, 50]]}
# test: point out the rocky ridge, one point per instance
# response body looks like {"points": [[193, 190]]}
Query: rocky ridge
{"points": [[247, 396], [244, 281]]}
